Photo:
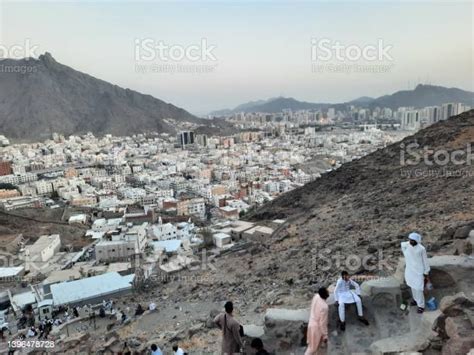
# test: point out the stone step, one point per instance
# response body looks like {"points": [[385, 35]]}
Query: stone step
{"points": [[357, 337], [254, 331], [286, 315], [391, 321], [402, 343], [335, 344], [285, 329], [414, 339]]}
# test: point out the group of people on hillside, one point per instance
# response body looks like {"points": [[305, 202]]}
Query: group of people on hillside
{"points": [[347, 291]]}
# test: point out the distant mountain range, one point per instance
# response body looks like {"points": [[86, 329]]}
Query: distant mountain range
{"points": [[50, 97], [421, 96]]}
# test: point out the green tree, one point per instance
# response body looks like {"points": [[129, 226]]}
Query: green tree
{"points": [[206, 234], [8, 186]]}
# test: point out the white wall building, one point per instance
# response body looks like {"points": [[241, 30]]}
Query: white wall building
{"points": [[44, 248]]}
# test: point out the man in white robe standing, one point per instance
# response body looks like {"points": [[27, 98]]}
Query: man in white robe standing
{"points": [[417, 269], [347, 291]]}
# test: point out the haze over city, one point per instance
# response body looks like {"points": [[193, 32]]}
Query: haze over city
{"points": [[262, 49]]}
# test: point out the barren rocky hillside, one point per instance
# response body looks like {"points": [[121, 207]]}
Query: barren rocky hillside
{"points": [[51, 97]]}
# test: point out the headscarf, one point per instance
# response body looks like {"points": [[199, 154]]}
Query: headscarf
{"points": [[415, 236]]}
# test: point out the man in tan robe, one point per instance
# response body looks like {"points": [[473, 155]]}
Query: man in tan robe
{"points": [[231, 340], [318, 322]]}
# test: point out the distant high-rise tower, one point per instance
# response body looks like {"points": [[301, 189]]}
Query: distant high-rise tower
{"points": [[201, 139], [185, 138]]}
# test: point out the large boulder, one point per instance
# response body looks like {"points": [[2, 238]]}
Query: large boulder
{"points": [[462, 232], [210, 320], [458, 346], [452, 273], [463, 246], [448, 233], [458, 327], [455, 304], [285, 329], [457, 231], [456, 324], [381, 290], [413, 342]]}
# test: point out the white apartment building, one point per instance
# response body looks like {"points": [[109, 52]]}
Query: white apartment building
{"points": [[44, 248], [197, 207], [16, 179], [168, 231], [122, 245], [43, 187]]}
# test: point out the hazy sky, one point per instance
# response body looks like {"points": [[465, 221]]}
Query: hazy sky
{"points": [[262, 49]]}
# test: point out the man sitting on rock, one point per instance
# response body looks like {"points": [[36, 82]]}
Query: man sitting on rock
{"points": [[347, 292]]}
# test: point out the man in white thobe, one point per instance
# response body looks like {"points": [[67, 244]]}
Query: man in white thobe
{"points": [[417, 268], [347, 291]]}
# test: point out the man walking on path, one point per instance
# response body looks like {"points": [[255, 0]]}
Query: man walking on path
{"points": [[231, 339], [318, 322]]}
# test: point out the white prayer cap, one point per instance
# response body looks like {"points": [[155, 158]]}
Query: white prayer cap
{"points": [[415, 236]]}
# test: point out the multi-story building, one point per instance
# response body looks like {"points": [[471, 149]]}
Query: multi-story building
{"points": [[191, 207], [186, 138], [8, 193], [122, 244], [5, 167], [18, 178], [44, 248], [14, 203], [43, 187]]}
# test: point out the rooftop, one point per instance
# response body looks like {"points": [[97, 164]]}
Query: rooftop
{"points": [[42, 242], [90, 287], [10, 271], [169, 246]]}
